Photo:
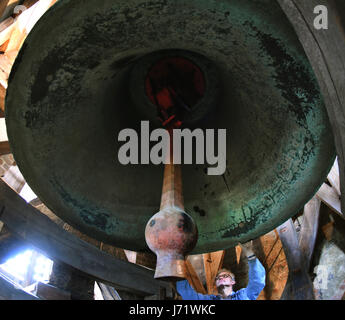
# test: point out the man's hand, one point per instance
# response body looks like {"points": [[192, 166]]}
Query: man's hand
{"points": [[247, 249]]}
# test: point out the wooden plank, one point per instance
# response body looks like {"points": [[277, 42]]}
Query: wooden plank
{"points": [[59, 245], [5, 68], [3, 131], [10, 291], [212, 263], [8, 10], [309, 229], [2, 98], [26, 21], [3, 5], [131, 256], [7, 27], [333, 177], [48, 292], [14, 179], [108, 293], [29, 3], [35, 202], [4, 148], [238, 253], [193, 278], [6, 23], [299, 286], [330, 198]]}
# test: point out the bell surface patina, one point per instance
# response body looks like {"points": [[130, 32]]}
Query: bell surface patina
{"points": [[79, 80]]}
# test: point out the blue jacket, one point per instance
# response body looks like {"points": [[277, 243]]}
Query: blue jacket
{"points": [[256, 283]]}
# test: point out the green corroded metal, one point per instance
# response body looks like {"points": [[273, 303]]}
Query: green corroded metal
{"points": [[68, 99]]}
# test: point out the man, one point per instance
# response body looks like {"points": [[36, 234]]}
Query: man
{"points": [[225, 280]]}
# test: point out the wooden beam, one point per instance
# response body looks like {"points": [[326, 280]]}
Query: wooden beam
{"points": [[299, 285], [6, 28], [8, 10], [3, 5], [5, 68], [11, 291], [16, 30], [26, 21], [330, 197], [108, 293], [29, 3], [193, 278], [333, 177], [6, 23], [59, 245], [3, 131], [13, 32], [4, 148], [238, 253], [212, 263], [131, 256], [35, 202], [14, 179], [48, 292], [309, 229], [2, 99]]}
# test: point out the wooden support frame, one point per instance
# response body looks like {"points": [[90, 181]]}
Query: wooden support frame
{"points": [[25, 23], [299, 251], [330, 197], [13, 32], [308, 233], [193, 278], [56, 243], [3, 5], [131, 256], [299, 285], [333, 177], [10, 291], [4, 148], [7, 7], [212, 263], [2, 100]]}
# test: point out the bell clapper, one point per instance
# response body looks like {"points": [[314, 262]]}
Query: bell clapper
{"points": [[171, 233]]}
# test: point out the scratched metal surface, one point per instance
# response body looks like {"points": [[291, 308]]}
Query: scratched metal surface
{"points": [[67, 101]]}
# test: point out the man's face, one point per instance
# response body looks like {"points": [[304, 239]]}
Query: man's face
{"points": [[224, 279]]}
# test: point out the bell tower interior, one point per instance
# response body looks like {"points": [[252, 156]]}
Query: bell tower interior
{"points": [[143, 143]]}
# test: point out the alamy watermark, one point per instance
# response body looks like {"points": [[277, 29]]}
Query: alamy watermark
{"points": [[321, 20], [205, 144]]}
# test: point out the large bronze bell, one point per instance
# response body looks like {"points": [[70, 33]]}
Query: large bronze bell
{"points": [[79, 80]]}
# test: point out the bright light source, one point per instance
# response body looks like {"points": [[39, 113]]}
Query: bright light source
{"points": [[27, 194], [19, 267]]}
